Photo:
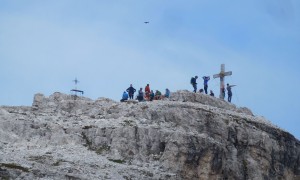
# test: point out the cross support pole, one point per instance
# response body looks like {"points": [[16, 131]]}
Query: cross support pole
{"points": [[222, 75]]}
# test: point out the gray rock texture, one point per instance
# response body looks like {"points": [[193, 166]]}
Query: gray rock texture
{"points": [[189, 136]]}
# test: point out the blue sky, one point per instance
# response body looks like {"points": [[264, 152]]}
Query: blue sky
{"points": [[44, 45]]}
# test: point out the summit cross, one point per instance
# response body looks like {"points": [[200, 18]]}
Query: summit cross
{"points": [[76, 90], [222, 75]]}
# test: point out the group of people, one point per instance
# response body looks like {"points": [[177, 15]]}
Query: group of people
{"points": [[206, 79], [148, 95]]}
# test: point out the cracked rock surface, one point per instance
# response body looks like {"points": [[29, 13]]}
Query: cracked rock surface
{"points": [[189, 136]]}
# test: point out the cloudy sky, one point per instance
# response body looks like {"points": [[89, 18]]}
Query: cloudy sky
{"points": [[45, 44]]}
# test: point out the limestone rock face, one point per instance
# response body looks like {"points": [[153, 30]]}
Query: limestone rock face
{"points": [[189, 136]]}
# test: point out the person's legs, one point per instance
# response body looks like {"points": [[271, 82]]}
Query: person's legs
{"points": [[205, 88], [229, 98], [195, 87]]}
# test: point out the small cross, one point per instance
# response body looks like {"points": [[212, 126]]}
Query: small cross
{"points": [[76, 81], [222, 75], [76, 90]]}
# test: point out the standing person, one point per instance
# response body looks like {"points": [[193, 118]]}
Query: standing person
{"points": [[212, 93], [131, 91], [124, 97], [147, 92], [229, 91], [206, 79], [194, 83]]}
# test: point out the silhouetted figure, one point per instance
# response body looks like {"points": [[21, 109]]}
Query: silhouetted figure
{"points": [[131, 91], [206, 79], [168, 93], [194, 83], [229, 92], [212, 93], [151, 95], [140, 96]]}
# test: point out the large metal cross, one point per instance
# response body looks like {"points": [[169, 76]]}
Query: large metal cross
{"points": [[222, 75]]}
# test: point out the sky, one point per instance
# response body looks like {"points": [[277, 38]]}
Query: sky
{"points": [[45, 45]]}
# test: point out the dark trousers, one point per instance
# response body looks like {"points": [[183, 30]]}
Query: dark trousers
{"points": [[229, 97], [195, 87], [130, 96], [205, 88]]}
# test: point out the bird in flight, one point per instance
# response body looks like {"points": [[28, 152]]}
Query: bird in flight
{"points": [[146, 22]]}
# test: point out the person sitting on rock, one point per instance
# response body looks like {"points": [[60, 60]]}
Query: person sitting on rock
{"points": [[151, 95], [167, 94], [201, 91], [157, 95], [211, 93], [140, 96], [124, 97]]}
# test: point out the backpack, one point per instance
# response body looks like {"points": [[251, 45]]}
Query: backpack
{"points": [[192, 80]]}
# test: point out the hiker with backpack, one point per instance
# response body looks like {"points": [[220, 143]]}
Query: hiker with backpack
{"points": [[194, 83], [131, 91], [206, 79]]}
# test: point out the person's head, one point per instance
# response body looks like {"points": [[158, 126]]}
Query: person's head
{"points": [[211, 91], [141, 88], [130, 85], [196, 77], [124, 92], [151, 91], [147, 84], [227, 84]]}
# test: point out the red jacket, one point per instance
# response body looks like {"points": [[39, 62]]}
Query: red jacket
{"points": [[147, 89]]}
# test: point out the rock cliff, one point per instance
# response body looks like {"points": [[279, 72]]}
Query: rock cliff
{"points": [[189, 136]]}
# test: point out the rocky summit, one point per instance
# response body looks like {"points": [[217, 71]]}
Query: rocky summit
{"points": [[188, 136]]}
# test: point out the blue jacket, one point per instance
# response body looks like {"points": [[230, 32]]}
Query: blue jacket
{"points": [[206, 79], [125, 95], [167, 93]]}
